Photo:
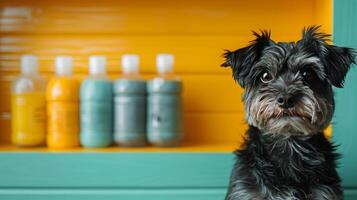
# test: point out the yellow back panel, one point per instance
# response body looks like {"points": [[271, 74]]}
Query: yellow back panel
{"points": [[196, 32]]}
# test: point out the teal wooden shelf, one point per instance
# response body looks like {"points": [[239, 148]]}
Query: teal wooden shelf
{"points": [[44, 175], [112, 194], [175, 176], [115, 194], [115, 170]]}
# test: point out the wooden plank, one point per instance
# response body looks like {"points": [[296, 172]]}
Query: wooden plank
{"points": [[124, 170], [345, 126], [159, 16], [215, 131], [215, 127], [5, 91], [133, 194], [185, 147], [113, 194], [211, 93], [350, 194], [5, 124], [193, 54]]}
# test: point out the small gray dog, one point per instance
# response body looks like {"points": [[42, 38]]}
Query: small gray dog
{"points": [[289, 103]]}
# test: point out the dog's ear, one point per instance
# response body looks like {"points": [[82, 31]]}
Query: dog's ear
{"points": [[336, 60], [243, 59]]}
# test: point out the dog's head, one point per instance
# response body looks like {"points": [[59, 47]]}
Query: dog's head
{"points": [[288, 86]]}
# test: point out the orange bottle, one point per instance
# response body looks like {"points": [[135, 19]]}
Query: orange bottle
{"points": [[62, 97]]}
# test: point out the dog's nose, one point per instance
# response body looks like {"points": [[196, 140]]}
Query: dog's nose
{"points": [[286, 101]]}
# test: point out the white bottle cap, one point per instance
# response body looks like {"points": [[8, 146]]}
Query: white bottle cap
{"points": [[63, 65], [164, 63], [130, 63], [29, 64], [97, 65]]}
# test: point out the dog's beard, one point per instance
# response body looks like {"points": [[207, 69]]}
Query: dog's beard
{"points": [[309, 115]]}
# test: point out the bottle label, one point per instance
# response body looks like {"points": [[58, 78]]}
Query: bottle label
{"points": [[96, 117], [129, 117], [28, 118], [164, 117], [63, 118]]}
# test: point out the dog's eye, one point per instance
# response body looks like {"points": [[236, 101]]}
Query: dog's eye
{"points": [[266, 77], [307, 74]]}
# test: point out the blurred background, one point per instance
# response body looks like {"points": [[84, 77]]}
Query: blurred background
{"points": [[196, 33]]}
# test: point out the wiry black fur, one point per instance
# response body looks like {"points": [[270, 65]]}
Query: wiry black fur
{"points": [[242, 59], [296, 162], [337, 59], [285, 165]]}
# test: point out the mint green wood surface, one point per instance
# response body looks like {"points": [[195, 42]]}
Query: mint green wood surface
{"points": [[345, 120], [122, 194], [173, 176], [120, 170], [113, 194]]}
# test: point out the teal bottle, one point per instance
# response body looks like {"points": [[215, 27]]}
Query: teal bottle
{"points": [[130, 105], [96, 105], [164, 113]]}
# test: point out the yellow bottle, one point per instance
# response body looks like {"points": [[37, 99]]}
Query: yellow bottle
{"points": [[62, 97], [28, 105]]}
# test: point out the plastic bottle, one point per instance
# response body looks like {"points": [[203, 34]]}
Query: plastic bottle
{"points": [[130, 104], [164, 115], [62, 97], [28, 105], [96, 105]]}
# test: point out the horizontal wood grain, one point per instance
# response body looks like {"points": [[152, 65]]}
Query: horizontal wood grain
{"points": [[215, 127], [133, 194], [161, 17], [185, 147], [193, 54], [124, 170], [5, 125], [113, 194], [112, 171], [200, 129]]}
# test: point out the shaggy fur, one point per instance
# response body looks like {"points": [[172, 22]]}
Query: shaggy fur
{"points": [[289, 102]]}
